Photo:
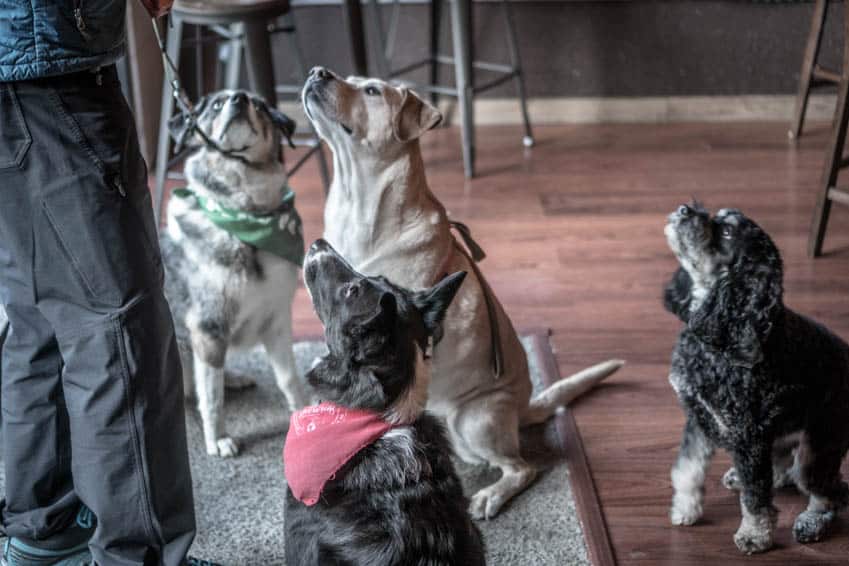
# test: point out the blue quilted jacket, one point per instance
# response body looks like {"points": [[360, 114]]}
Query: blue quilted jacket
{"points": [[40, 38]]}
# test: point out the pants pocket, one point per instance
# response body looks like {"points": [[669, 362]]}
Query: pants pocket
{"points": [[15, 138], [100, 211]]}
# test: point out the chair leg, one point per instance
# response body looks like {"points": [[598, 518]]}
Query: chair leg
{"points": [[516, 63], [834, 155], [258, 59], [461, 29], [435, 29], [163, 146], [808, 62]]}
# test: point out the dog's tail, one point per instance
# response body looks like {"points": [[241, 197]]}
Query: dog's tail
{"points": [[561, 393]]}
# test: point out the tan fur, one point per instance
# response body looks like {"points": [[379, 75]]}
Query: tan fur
{"points": [[383, 218]]}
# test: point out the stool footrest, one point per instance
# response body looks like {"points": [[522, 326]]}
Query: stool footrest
{"points": [[825, 76], [839, 195]]}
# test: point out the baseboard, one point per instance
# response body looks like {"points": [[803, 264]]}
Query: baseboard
{"points": [[650, 109]]}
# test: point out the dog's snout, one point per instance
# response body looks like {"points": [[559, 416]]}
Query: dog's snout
{"points": [[319, 245], [239, 98], [320, 73]]}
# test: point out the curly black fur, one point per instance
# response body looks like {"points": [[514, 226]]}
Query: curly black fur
{"points": [[399, 501], [749, 373]]}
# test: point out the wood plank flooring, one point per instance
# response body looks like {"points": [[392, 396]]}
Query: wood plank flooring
{"points": [[574, 233]]}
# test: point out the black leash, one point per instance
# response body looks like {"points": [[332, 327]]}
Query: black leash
{"points": [[185, 104]]}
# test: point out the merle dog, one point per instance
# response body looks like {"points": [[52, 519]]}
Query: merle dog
{"points": [[754, 377], [226, 293], [398, 500]]}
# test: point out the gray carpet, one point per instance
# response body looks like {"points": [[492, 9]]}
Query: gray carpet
{"points": [[240, 501]]}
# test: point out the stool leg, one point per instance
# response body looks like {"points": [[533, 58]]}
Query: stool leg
{"points": [[163, 146], [234, 63], [516, 63], [258, 59], [461, 30], [380, 38], [808, 62], [300, 68], [353, 16], [435, 29], [834, 156]]}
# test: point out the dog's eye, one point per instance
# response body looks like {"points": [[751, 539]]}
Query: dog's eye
{"points": [[217, 105], [372, 91], [352, 290], [727, 232]]}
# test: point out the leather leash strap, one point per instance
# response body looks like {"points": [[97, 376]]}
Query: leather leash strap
{"points": [[474, 253]]}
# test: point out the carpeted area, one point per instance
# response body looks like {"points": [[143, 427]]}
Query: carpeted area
{"points": [[240, 501]]}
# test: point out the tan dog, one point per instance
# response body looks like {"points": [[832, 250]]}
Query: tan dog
{"points": [[383, 218]]}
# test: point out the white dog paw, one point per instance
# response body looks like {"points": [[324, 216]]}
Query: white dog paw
{"points": [[685, 511], [731, 480], [237, 382], [485, 504], [752, 540], [225, 447]]}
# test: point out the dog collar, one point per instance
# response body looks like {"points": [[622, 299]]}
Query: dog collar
{"points": [[321, 439], [279, 232]]}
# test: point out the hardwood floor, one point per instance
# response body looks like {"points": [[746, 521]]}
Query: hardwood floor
{"points": [[574, 233]]}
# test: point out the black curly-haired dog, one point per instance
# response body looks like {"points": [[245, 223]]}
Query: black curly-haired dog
{"points": [[754, 377], [398, 501]]}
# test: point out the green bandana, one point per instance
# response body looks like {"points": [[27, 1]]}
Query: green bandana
{"points": [[279, 232]]}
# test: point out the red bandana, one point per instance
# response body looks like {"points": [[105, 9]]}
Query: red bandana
{"points": [[321, 439]]}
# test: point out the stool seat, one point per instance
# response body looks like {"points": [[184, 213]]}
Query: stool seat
{"points": [[225, 11]]}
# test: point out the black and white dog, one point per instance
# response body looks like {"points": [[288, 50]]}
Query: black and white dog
{"points": [[754, 377], [371, 481], [227, 292]]}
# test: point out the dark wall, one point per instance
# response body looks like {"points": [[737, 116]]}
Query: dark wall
{"points": [[637, 48]]}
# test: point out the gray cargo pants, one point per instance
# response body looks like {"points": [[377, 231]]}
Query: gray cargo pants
{"points": [[92, 394]]}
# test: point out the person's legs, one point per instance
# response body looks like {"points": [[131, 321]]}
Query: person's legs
{"points": [[40, 499], [97, 281]]}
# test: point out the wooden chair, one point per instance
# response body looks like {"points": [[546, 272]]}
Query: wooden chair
{"points": [[812, 76]]}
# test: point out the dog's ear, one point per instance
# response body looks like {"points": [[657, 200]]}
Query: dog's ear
{"points": [[413, 117], [677, 294], [385, 315], [283, 123], [739, 312], [182, 126], [433, 303]]}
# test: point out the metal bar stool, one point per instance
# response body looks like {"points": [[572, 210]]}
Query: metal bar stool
{"points": [[835, 160], [244, 24], [465, 88]]}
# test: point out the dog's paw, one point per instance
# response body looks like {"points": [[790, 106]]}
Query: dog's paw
{"points": [[685, 510], [751, 540], [810, 526], [731, 480], [485, 504], [685, 517], [237, 382], [225, 447]]}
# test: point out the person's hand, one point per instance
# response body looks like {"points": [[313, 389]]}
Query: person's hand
{"points": [[157, 8]]}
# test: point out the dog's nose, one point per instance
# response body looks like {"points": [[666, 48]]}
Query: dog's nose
{"points": [[684, 210], [239, 98], [319, 245], [320, 73]]}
